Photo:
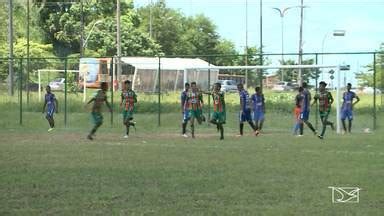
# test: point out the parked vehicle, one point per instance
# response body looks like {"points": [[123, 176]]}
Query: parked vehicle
{"points": [[228, 85], [369, 90], [57, 84], [284, 86]]}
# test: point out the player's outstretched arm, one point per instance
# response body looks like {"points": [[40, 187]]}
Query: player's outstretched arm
{"points": [[357, 100], [56, 105]]}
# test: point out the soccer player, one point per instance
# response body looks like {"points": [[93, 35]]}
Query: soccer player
{"points": [[245, 110], [258, 103], [98, 100], [325, 100], [347, 107], [194, 104], [296, 113], [128, 100], [184, 109], [305, 108], [219, 115], [52, 105]]}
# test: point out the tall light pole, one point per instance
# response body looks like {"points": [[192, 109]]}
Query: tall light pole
{"points": [[90, 32], [336, 33], [246, 43], [150, 19], [118, 39], [282, 13], [10, 43], [300, 80]]}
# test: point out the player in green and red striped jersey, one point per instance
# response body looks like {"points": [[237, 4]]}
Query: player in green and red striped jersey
{"points": [[194, 103], [325, 100], [219, 115], [128, 100]]}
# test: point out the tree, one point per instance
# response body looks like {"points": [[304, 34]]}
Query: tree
{"points": [[366, 78], [291, 75]]}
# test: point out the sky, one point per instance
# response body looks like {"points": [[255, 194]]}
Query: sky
{"points": [[362, 21]]}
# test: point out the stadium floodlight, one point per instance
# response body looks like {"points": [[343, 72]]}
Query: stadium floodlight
{"points": [[265, 67], [90, 32]]}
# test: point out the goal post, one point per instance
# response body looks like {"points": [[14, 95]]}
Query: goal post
{"points": [[261, 67]]}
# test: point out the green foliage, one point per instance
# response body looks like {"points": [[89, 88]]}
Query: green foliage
{"points": [[291, 75], [366, 78]]}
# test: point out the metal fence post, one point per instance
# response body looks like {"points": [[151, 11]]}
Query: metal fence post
{"points": [[112, 87], [65, 91], [317, 91], [159, 90], [374, 91], [209, 96], [21, 90]]}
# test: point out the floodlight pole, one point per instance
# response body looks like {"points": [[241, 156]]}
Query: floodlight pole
{"points": [[336, 33], [338, 101]]}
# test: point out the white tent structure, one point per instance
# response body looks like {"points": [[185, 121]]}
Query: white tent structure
{"points": [[144, 73]]}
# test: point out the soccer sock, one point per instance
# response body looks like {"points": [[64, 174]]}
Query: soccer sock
{"points": [[296, 128], [184, 127], [350, 126], [345, 128], [253, 126], [301, 128], [213, 122], [192, 130], [310, 126], [221, 131], [324, 128], [261, 124], [127, 129], [241, 128]]}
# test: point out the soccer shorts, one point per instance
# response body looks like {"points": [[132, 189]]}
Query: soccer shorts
{"points": [[219, 117], [346, 114], [97, 118], [304, 115], [258, 116], [185, 116], [195, 114], [245, 115], [50, 112], [324, 113], [127, 115]]}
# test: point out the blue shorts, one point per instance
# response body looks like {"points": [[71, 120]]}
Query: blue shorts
{"points": [[186, 116], [304, 115], [245, 115], [258, 116], [50, 112], [346, 114]]}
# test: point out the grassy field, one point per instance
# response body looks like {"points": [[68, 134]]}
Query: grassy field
{"points": [[158, 172]]}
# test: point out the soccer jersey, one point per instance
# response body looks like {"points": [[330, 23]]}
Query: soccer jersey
{"points": [[258, 102], [305, 101], [218, 101], [129, 99], [347, 100], [183, 98], [194, 100], [244, 100], [325, 99], [100, 97], [50, 100]]}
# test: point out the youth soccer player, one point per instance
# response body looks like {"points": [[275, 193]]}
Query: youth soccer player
{"points": [[325, 100], [128, 100], [305, 108], [219, 115], [98, 100], [184, 110], [52, 105], [258, 103], [194, 103], [245, 110], [296, 113], [347, 107]]}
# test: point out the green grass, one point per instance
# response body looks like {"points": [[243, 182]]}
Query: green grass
{"points": [[157, 172]]}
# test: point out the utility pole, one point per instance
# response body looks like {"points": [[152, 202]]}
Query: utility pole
{"points": [[246, 43], [81, 29], [118, 40], [28, 60], [300, 80], [10, 42], [261, 44]]}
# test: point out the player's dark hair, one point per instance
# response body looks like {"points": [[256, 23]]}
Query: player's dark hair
{"points": [[103, 85], [301, 89], [240, 85], [218, 84], [304, 85], [186, 84], [127, 82], [193, 83], [349, 84], [257, 88]]}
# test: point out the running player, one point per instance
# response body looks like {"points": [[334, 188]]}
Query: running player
{"points": [[258, 103], [325, 101], [245, 110], [194, 104], [219, 115], [52, 105], [347, 107], [128, 100], [98, 100], [305, 109], [184, 110]]}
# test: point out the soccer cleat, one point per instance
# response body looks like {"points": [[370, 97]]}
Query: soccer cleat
{"points": [[221, 138], [185, 135], [239, 135], [89, 137], [320, 137], [300, 135], [126, 136], [332, 127], [133, 124], [50, 129], [257, 132]]}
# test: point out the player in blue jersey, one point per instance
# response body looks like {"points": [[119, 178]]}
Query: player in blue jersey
{"points": [[52, 105], [184, 110], [347, 107], [258, 106], [245, 110], [305, 103]]}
